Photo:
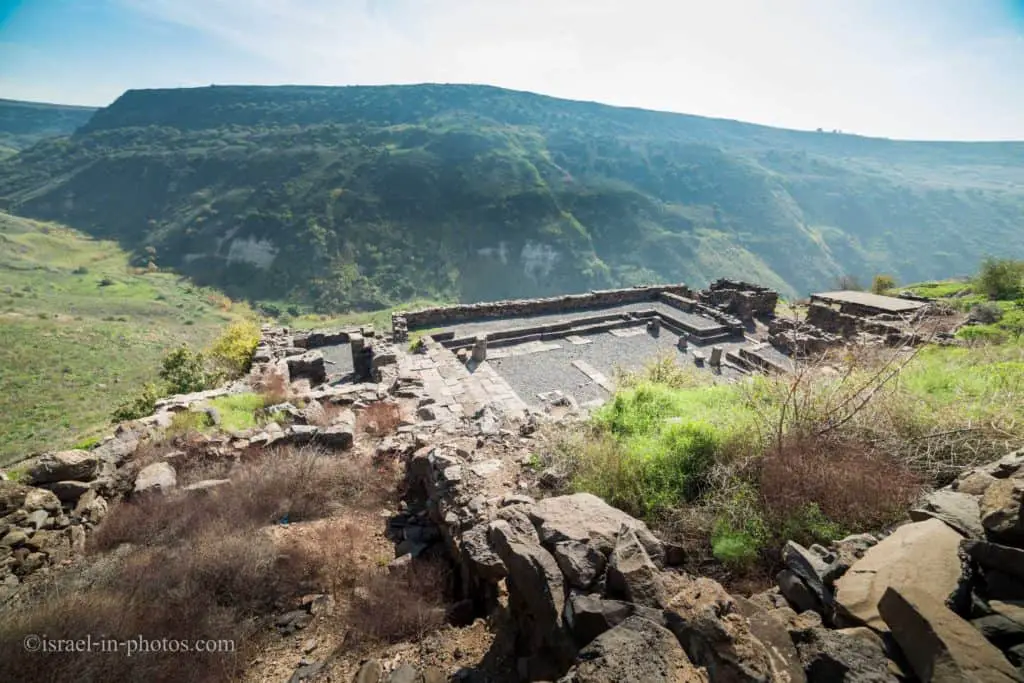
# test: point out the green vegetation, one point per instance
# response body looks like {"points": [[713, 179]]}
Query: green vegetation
{"points": [[734, 470], [238, 411], [358, 198], [1001, 279], [73, 350], [22, 124], [882, 284]]}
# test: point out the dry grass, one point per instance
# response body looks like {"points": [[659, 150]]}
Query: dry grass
{"points": [[210, 566], [379, 419], [285, 484], [378, 604], [272, 386], [844, 479]]}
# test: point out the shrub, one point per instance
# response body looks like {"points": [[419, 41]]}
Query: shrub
{"points": [[184, 371], [232, 350], [80, 270], [142, 405], [1001, 279], [882, 284], [986, 313]]}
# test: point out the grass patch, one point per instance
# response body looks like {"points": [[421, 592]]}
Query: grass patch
{"points": [[238, 412], [940, 289], [74, 350], [379, 319]]}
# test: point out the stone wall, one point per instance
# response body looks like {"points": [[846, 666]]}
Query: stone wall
{"points": [[441, 316], [739, 298]]}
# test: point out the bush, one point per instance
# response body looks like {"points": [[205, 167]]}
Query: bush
{"points": [[142, 405], [1001, 279], [232, 350], [882, 284], [184, 371], [986, 313]]}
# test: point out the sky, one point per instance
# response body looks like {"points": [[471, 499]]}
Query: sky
{"points": [[913, 69]]}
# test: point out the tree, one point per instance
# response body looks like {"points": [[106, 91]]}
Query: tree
{"points": [[1001, 279], [849, 282], [882, 284]]}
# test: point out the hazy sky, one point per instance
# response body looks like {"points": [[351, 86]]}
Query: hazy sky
{"points": [[935, 69]]}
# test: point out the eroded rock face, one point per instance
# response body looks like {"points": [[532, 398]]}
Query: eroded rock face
{"points": [[54, 467], [839, 657], [785, 661], [919, 554], [939, 645], [635, 650], [632, 574]]}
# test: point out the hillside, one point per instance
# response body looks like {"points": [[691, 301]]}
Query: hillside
{"points": [[22, 124], [361, 197], [82, 331]]}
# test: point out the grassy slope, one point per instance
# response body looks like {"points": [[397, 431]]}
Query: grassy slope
{"points": [[72, 349]]}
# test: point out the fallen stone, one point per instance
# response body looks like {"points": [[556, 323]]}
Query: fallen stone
{"points": [[811, 568], [994, 556], [369, 671], [68, 491], [533, 572], [797, 593], [309, 365], [974, 483], [580, 563], [938, 644], [632, 574], [959, 510], [588, 616], [919, 554], [1001, 629], [39, 519], [785, 660], [160, 476], [406, 673], [41, 499], [65, 465], [830, 656], [476, 549], [1000, 511], [14, 538], [300, 434], [340, 436], [635, 650], [585, 518], [713, 632], [12, 496]]}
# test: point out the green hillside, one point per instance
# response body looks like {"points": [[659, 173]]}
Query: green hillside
{"points": [[361, 197], [22, 124], [82, 331]]}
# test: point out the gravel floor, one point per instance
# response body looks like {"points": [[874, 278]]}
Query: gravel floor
{"points": [[485, 326], [534, 373]]}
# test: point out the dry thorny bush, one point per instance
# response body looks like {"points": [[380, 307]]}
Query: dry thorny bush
{"points": [[379, 419], [207, 567]]}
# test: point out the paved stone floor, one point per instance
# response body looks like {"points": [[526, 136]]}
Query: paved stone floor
{"points": [[486, 326]]}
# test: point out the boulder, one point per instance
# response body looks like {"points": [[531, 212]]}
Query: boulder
{"points": [[974, 483], [919, 554], [1000, 511], [12, 496], [959, 510], [54, 467], [712, 631], [631, 572], [797, 593], [785, 661], [588, 616], [476, 550], [938, 644], [68, 491], [340, 436], [841, 657], [992, 556], [41, 499], [160, 476], [635, 650], [811, 568], [313, 414], [585, 518], [580, 563]]}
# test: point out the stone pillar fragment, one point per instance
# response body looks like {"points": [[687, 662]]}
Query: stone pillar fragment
{"points": [[480, 348], [682, 344], [716, 356]]}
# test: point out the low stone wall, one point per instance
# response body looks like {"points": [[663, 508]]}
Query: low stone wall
{"points": [[743, 299], [441, 316]]}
